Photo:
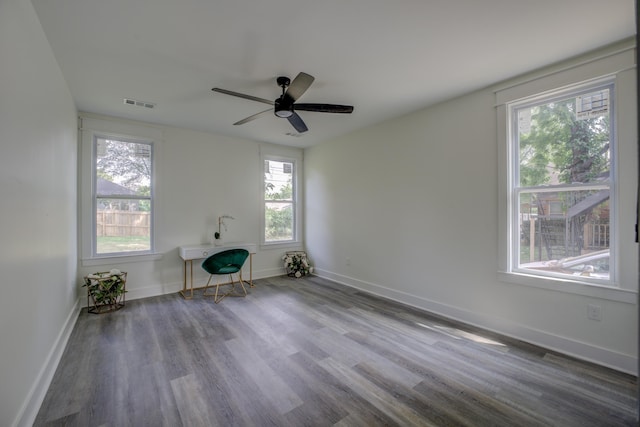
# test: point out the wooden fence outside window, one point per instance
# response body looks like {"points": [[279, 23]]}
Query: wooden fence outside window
{"points": [[111, 223]]}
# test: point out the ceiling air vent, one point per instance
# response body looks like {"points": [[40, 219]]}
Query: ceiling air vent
{"points": [[145, 104]]}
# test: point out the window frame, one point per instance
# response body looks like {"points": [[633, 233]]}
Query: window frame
{"points": [[295, 158], [90, 126], [515, 190], [95, 196]]}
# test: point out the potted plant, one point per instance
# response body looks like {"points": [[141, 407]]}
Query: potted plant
{"points": [[105, 291]]}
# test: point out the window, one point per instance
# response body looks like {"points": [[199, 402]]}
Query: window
{"points": [[280, 210], [123, 196], [561, 183], [575, 197]]}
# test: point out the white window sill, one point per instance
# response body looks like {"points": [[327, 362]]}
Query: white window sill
{"points": [[120, 259], [570, 286], [281, 245]]}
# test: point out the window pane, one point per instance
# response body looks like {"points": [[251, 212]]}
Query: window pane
{"points": [[278, 180], [122, 168], [123, 196], [280, 194], [278, 221], [565, 232], [123, 225], [565, 141]]}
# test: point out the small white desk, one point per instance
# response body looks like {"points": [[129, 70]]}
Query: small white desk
{"points": [[195, 252]]}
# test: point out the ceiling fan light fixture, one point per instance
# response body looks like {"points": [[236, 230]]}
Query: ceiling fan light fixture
{"points": [[284, 113]]}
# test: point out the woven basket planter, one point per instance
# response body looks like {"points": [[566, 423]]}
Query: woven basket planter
{"points": [[105, 291]]}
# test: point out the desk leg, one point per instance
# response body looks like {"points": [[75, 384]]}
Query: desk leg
{"points": [[251, 270], [183, 292]]}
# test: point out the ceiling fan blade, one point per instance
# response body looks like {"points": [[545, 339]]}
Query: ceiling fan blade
{"points": [[242, 95], [324, 108], [255, 116], [297, 122], [299, 85]]}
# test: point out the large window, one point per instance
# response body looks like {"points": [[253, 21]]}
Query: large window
{"points": [[280, 224], [562, 166], [123, 196]]}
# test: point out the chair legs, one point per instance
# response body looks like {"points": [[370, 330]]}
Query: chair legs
{"points": [[218, 297], [241, 282]]}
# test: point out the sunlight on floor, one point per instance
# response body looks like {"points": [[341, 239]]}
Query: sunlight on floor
{"points": [[459, 334]]}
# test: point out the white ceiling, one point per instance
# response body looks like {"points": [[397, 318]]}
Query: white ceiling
{"points": [[385, 57]]}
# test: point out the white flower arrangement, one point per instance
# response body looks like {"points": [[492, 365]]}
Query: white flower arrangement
{"points": [[296, 264]]}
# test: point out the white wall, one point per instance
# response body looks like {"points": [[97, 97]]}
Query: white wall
{"points": [[38, 257], [199, 176], [408, 209]]}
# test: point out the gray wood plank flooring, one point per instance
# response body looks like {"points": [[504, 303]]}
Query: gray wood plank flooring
{"points": [[309, 352]]}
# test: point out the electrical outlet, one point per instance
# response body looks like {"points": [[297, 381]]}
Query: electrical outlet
{"points": [[347, 261], [594, 312]]}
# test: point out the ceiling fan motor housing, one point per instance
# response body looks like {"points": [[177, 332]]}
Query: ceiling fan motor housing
{"points": [[283, 107]]}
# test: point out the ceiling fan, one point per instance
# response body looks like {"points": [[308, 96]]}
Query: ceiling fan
{"points": [[285, 106]]}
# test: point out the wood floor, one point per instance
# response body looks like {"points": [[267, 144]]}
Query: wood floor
{"points": [[308, 352]]}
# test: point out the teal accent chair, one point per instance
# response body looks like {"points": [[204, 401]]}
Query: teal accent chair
{"points": [[226, 262]]}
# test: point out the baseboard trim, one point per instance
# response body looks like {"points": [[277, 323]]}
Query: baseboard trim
{"points": [[583, 351], [29, 411], [170, 288], [153, 290]]}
